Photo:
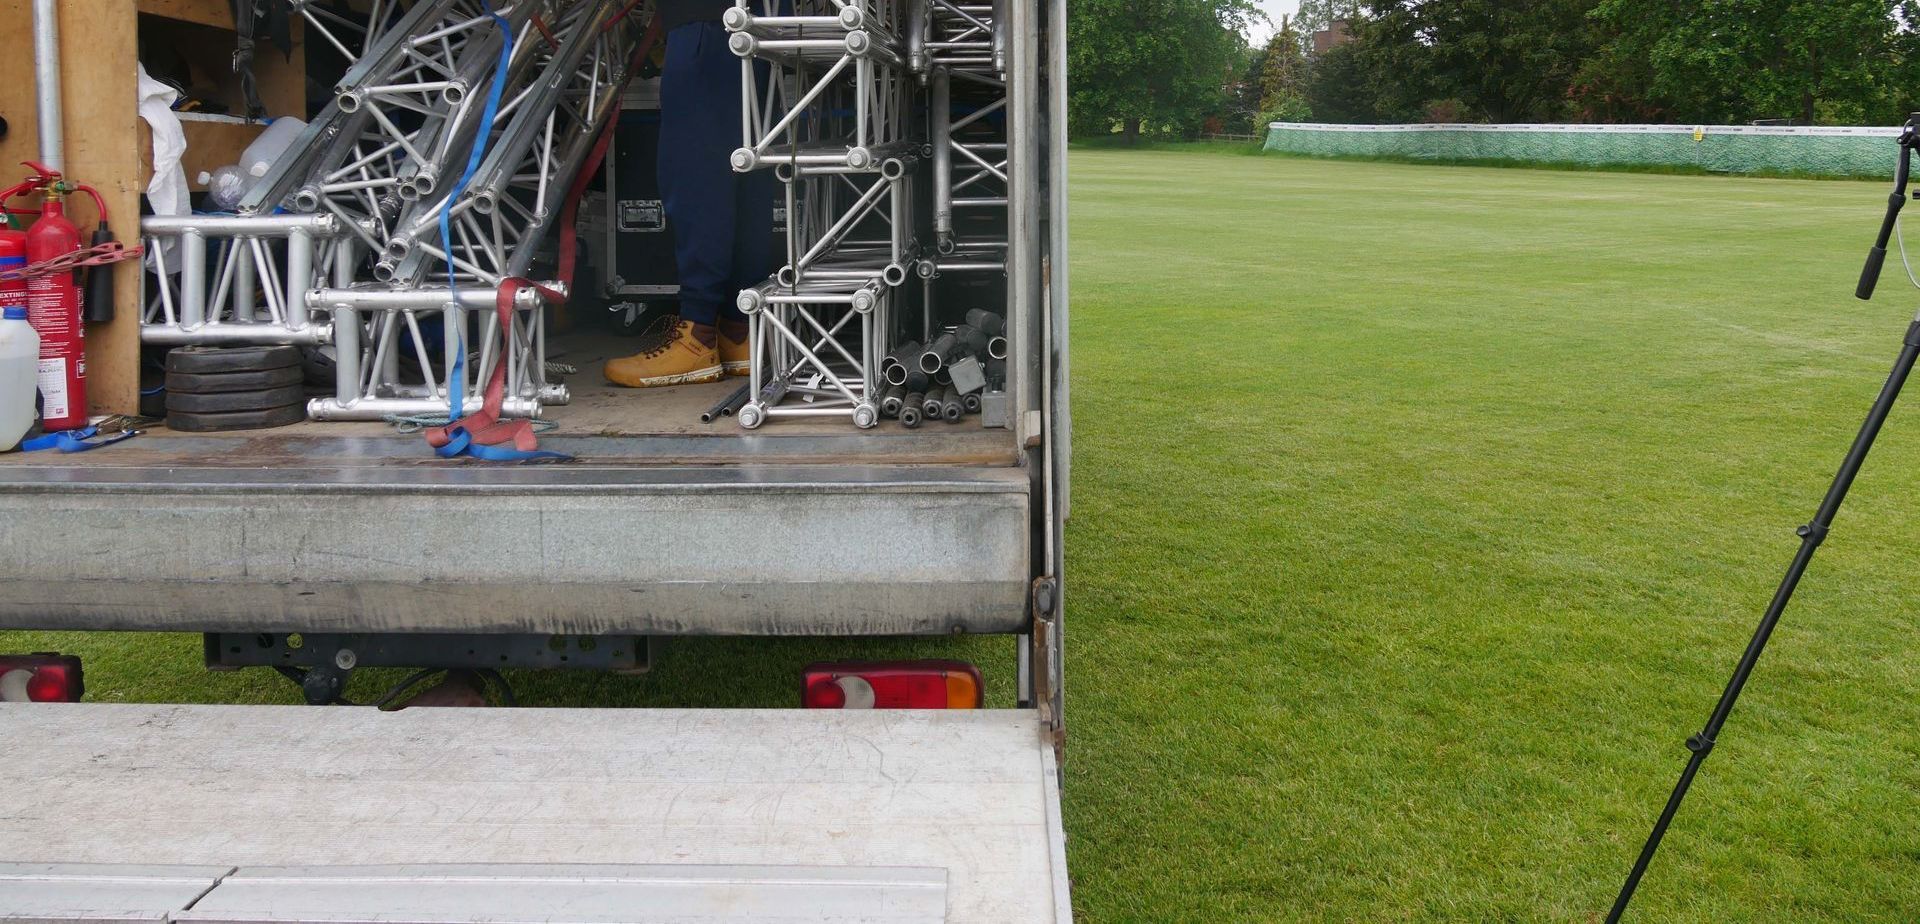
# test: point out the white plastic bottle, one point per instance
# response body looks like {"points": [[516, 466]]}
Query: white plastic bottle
{"points": [[226, 186], [260, 155], [19, 375]]}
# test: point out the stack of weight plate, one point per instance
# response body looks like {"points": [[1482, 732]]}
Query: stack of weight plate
{"points": [[234, 388]]}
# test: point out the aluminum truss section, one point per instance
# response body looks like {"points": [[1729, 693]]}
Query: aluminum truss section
{"points": [[818, 329], [839, 94], [958, 36], [815, 351], [385, 366], [546, 136], [391, 111], [238, 280], [959, 51], [968, 148], [496, 225], [349, 37]]}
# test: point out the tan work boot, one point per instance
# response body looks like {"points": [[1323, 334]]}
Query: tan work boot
{"points": [[735, 357], [685, 357]]}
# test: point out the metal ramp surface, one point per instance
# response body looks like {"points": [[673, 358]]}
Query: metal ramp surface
{"points": [[333, 815], [470, 894]]}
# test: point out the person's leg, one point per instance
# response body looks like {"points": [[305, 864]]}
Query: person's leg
{"points": [[752, 259], [699, 127]]}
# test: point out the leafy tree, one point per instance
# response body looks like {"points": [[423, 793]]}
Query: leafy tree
{"points": [[1505, 61], [1339, 89], [1735, 60], [1319, 15], [1283, 77], [1245, 103], [1161, 65]]}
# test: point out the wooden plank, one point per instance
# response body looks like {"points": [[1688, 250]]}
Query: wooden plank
{"points": [[97, 51], [206, 53], [107, 145], [205, 12]]}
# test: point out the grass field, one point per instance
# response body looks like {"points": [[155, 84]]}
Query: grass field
{"points": [[1420, 513]]}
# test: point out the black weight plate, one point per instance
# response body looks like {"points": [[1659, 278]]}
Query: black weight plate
{"points": [[210, 383], [225, 402], [238, 420], [204, 360]]}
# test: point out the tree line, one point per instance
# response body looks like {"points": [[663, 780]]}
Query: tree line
{"points": [[1180, 67]]}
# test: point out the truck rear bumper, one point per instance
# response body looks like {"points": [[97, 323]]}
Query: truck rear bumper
{"points": [[589, 549]]}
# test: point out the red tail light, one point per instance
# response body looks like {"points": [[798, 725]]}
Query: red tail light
{"points": [[891, 685], [41, 678]]}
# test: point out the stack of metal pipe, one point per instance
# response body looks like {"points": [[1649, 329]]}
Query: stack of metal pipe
{"points": [[366, 217], [956, 374]]}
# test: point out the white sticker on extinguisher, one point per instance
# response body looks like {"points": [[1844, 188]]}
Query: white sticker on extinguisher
{"points": [[53, 388]]}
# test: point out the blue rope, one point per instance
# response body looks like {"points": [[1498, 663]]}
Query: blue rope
{"points": [[457, 378]]}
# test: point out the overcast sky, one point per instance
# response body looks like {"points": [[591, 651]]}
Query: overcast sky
{"points": [[1274, 9]]}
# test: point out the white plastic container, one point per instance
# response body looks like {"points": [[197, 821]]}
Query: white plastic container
{"points": [[260, 155], [19, 375]]}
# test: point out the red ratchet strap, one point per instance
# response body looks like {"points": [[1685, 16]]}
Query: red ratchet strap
{"points": [[482, 433], [97, 255]]}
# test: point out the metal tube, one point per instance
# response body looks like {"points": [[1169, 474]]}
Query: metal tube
{"points": [[251, 226], [1024, 244], [240, 264], [938, 353], [193, 280], [941, 106], [46, 77], [720, 407], [299, 277], [220, 334], [479, 298], [381, 408], [346, 344], [986, 321], [951, 405]]}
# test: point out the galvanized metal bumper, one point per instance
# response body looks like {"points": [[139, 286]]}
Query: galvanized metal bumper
{"points": [[590, 549]]}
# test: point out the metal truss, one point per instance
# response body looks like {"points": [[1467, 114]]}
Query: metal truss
{"points": [[237, 280], [833, 122], [839, 89], [818, 328], [815, 350], [377, 169]]}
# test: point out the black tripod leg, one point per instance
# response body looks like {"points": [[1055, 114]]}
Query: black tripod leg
{"points": [[1811, 536]]}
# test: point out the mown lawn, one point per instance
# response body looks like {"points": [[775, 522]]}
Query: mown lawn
{"points": [[1420, 513]]}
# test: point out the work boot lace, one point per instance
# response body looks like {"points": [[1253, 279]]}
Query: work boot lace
{"points": [[660, 336]]}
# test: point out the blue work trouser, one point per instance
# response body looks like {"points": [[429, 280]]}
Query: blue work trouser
{"points": [[722, 220]]}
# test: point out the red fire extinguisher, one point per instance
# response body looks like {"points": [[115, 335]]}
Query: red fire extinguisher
{"points": [[53, 307]]}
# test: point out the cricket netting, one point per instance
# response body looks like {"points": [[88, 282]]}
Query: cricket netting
{"points": [[1819, 151]]}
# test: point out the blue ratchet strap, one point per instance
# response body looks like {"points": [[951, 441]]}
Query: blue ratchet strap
{"points": [[460, 443], [457, 377], [80, 440], [483, 434]]}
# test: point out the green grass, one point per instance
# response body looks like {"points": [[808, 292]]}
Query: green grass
{"points": [[1420, 513]]}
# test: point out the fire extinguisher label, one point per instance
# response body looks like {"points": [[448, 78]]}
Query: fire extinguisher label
{"points": [[53, 388]]}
